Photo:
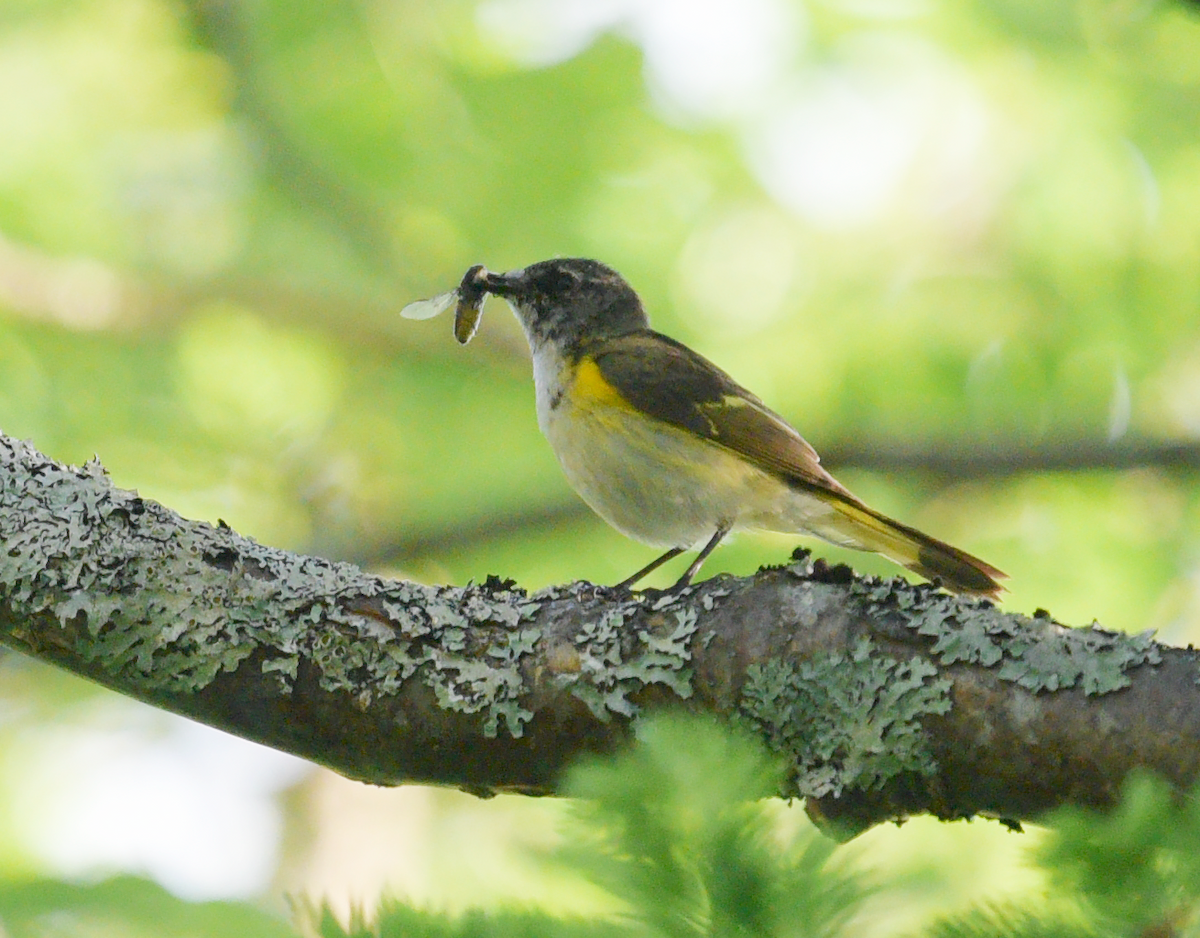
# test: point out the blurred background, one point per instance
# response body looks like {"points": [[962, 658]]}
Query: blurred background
{"points": [[956, 242]]}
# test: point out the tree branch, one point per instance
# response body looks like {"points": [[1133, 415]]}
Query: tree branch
{"points": [[962, 460], [888, 699]]}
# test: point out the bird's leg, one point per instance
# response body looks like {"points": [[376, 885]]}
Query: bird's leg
{"points": [[649, 568], [707, 549]]}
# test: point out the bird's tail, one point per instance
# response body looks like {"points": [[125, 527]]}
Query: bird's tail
{"points": [[856, 525]]}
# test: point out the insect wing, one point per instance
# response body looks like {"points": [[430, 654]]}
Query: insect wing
{"points": [[427, 309]]}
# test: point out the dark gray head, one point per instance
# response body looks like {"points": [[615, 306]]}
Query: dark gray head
{"points": [[569, 299]]}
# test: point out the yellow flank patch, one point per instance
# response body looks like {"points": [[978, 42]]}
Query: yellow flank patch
{"points": [[590, 387]]}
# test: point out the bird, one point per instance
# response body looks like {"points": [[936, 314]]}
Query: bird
{"points": [[664, 445]]}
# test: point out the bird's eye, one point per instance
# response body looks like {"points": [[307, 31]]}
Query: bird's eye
{"points": [[556, 281]]}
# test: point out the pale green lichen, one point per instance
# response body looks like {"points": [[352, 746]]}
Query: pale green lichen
{"points": [[135, 589], [1038, 654], [67, 549], [849, 720], [164, 606], [611, 666]]}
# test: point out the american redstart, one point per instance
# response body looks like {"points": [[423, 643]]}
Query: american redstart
{"points": [[664, 445]]}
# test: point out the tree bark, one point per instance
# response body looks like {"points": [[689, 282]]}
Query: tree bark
{"points": [[887, 699]]}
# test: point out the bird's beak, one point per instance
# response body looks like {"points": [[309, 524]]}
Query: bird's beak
{"points": [[506, 284]]}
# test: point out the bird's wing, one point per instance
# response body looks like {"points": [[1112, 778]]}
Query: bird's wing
{"points": [[668, 381]]}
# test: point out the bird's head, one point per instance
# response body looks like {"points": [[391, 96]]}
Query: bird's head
{"points": [[568, 300]]}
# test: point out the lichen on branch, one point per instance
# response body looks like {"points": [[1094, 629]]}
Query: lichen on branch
{"points": [[887, 699]]}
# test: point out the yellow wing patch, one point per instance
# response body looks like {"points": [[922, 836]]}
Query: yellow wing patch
{"points": [[591, 388]]}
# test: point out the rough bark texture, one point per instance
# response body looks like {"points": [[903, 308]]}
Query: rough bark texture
{"points": [[887, 699]]}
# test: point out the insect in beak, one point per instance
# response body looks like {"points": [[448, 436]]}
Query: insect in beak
{"points": [[468, 296], [471, 293]]}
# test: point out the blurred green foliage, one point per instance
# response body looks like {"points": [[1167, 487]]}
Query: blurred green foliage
{"points": [[1137, 866], [125, 906], [678, 833], [671, 830], [967, 228]]}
